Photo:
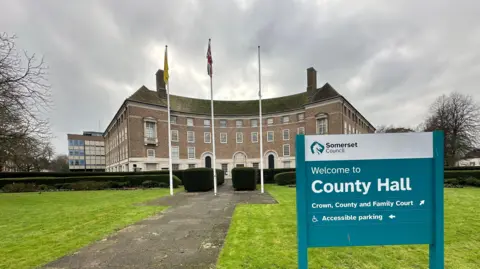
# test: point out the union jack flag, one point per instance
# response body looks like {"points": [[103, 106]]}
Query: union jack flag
{"points": [[209, 60]]}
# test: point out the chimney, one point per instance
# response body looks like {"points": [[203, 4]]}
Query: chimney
{"points": [[162, 92], [311, 81]]}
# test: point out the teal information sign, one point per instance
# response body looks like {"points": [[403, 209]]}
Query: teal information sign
{"points": [[370, 189]]}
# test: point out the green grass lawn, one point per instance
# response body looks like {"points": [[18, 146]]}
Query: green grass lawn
{"points": [[264, 236], [39, 228]]}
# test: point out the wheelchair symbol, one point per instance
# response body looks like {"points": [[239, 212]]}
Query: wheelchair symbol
{"points": [[314, 219]]}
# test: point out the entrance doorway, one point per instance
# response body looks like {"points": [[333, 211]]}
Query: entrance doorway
{"points": [[271, 161], [208, 162]]}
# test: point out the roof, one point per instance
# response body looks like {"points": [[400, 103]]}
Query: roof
{"points": [[233, 108], [473, 154]]}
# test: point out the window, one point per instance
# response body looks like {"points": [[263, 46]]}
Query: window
{"points": [[175, 166], [223, 138], [70, 142], [76, 162], [285, 119], [191, 153], [225, 168], [270, 136], [81, 143], [189, 122], [255, 165], [239, 123], [81, 162], [207, 137], [175, 152], [71, 152], [151, 153], [175, 135], [286, 164], [286, 134], [254, 123], [173, 119], [322, 126], [190, 137], [301, 130], [286, 150], [270, 121], [254, 137], [223, 123], [191, 165], [150, 129], [301, 116], [206, 122], [239, 137]]}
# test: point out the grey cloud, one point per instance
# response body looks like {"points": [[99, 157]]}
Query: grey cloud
{"points": [[98, 51]]}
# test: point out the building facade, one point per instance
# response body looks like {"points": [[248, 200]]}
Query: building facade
{"points": [[137, 136], [86, 152]]}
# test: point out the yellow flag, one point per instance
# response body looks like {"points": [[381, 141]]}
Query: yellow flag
{"points": [[165, 67]]}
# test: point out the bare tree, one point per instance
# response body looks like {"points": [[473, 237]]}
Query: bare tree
{"points": [[393, 129], [458, 116], [59, 164], [24, 99]]}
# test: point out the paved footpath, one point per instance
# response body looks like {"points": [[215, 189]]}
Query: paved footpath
{"points": [[188, 234]]}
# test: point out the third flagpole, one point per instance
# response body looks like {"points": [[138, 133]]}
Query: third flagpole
{"points": [[260, 119]]}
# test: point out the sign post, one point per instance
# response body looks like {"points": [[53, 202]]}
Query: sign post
{"points": [[370, 189]]}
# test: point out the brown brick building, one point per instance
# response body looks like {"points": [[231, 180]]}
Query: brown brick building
{"points": [[137, 137]]}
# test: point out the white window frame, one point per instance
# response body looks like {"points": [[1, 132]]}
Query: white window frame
{"points": [[241, 136], [270, 121], [173, 119], [317, 131], [285, 119], [226, 138], [175, 132], [178, 152], [237, 123], [252, 121], [193, 137], [205, 137], [301, 128], [220, 123], [283, 150], [273, 136], [207, 123], [254, 141], [146, 122], [188, 153], [288, 134], [190, 120], [148, 153], [301, 116]]}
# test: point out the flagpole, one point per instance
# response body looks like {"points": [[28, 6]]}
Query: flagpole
{"points": [[261, 121], [213, 127], [167, 88]]}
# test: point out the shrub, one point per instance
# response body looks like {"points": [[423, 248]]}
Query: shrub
{"points": [[20, 187], [88, 183], [198, 179], [150, 184], [244, 178], [220, 177], [285, 178], [4, 175]]}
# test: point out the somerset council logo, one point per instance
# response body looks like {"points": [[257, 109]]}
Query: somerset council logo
{"points": [[317, 148]]}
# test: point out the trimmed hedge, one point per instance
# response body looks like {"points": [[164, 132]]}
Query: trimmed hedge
{"points": [[198, 179], [461, 173], [244, 178], [3, 175], [285, 178], [269, 174], [87, 183], [220, 177]]}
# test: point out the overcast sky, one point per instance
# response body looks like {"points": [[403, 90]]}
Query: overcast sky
{"points": [[390, 59]]}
